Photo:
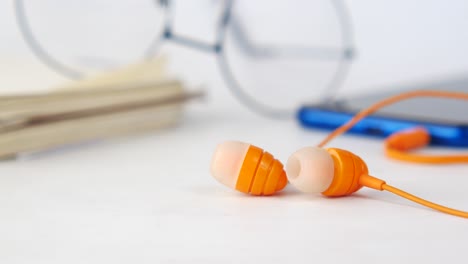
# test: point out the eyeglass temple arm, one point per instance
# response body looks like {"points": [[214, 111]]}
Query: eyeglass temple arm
{"points": [[291, 51]]}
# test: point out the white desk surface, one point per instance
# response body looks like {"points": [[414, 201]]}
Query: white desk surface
{"points": [[151, 199]]}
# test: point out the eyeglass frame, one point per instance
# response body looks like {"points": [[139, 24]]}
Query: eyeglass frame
{"points": [[226, 17]]}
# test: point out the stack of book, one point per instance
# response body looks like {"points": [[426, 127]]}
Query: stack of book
{"points": [[126, 101]]}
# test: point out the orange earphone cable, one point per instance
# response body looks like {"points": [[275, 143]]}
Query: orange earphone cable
{"points": [[398, 154], [424, 202]]}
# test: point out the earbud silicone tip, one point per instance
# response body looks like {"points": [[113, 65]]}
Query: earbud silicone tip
{"points": [[227, 162], [310, 169]]}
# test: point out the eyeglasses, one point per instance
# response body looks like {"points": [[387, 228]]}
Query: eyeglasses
{"points": [[274, 55]]}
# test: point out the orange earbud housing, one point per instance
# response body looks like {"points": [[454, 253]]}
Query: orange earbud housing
{"points": [[261, 173], [348, 168]]}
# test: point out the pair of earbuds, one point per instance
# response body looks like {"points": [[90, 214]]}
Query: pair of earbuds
{"points": [[333, 172]]}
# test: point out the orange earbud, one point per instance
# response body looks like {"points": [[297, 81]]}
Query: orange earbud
{"points": [[332, 172], [247, 169]]}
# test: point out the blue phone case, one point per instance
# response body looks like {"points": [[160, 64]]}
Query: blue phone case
{"points": [[381, 126]]}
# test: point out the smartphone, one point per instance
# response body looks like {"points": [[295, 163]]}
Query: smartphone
{"points": [[445, 119]]}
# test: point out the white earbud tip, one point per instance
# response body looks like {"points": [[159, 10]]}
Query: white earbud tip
{"points": [[227, 162], [310, 169]]}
